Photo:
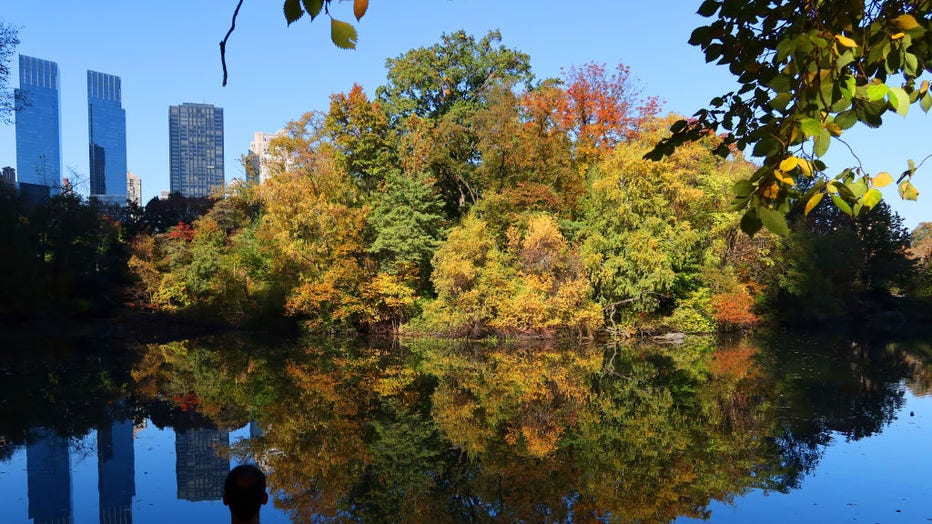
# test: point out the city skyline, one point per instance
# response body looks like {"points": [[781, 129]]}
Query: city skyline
{"points": [[277, 73]]}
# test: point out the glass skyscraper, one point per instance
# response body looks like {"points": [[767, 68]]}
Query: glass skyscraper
{"points": [[38, 128], [106, 127], [195, 141]]}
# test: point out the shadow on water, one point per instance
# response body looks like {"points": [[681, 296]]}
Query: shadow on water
{"points": [[451, 432]]}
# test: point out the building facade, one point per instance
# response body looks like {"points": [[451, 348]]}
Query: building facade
{"points": [[38, 128], [133, 188], [106, 127], [195, 138], [263, 156]]}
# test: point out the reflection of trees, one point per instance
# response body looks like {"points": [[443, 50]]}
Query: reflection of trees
{"points": [[444, 433]]}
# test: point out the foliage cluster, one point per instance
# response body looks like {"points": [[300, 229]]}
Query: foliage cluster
{"points": [[467, 198]]}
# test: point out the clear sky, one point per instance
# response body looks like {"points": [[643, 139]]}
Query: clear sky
{"points": [[167, 53]]}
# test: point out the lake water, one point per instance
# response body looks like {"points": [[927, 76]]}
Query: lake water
{"points": [[777, 428]]}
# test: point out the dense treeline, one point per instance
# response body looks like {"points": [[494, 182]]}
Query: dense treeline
{"points": [[468, 198]]}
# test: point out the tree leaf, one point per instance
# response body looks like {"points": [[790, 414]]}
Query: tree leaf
{"points": [[313, 7], [708, 8], [905, 22], [813, 202], [292, 10], [871, 198], [788, 164], [810, 126], [360, 7], [750, 223], [926, 102], [773, 220], [899, 100], [743, 188], [805, 167], [908, 191], [845, 41], [846, 119], [822, 141], [882, 179], [343, 35], [767, 147], [876, 92], [842, 205]]}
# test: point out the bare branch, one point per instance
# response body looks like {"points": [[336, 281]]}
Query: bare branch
{"points": [[223, 44]]}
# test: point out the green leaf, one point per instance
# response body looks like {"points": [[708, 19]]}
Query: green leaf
{"points": [[708, 8], [926, 101], [313, 7], [846, 119], [343, 35], [899, 100], [905, 22], [810, 126], [750, 223], [876, 92], [842, 205], [767, 147], [911, 65], [743, 188], [871, 198], [773, 220], [780, 83], [822, 141], [292, 10], [857, 188]]}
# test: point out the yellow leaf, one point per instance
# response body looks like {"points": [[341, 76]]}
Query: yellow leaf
{"points": [[771, 191], [805, 167], [833, 128], [813, 202], [788, 164], [781, 176], [845, 41], [830, 187], [360, 7], [898, 36], [905, 22], [882, 180], [923, 87]]}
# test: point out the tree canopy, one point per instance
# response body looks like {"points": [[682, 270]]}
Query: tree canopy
{"points": [[808, 70]]}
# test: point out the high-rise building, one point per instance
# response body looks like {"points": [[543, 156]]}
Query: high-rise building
{"points": [[133, 188], [195, 141], [38, 128], [263, 154], [106, 128]]}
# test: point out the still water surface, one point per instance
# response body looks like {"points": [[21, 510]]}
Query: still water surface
{"points": [[773, 429]]}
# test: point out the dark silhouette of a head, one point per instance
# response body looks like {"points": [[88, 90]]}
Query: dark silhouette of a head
{"points": [[244, 491]]}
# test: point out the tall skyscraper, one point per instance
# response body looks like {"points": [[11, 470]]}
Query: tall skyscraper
{"points": [[133, 188], [38, 128], [195, 141], [106, 128]]}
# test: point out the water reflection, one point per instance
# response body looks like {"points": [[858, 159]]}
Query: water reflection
{"points": [[443, 432]]}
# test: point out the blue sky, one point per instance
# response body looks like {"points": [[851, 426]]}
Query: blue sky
{"points": [[167, 53]]}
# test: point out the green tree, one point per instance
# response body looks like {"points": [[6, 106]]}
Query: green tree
{"points": [[9, 39]]}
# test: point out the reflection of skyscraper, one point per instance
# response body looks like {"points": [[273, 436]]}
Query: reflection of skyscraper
{"points": [[116, 480], [48, 469], [38, 128], [106, 127], [195, 144], [199, 466]]}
